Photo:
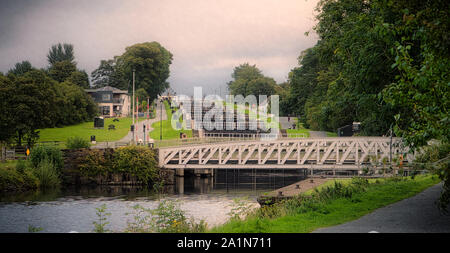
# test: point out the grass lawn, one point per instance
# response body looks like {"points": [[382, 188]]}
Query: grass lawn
{"points": [[298, 131], [168, 133], [86, 129], [331, 134], [9, 164], [335, 211]]}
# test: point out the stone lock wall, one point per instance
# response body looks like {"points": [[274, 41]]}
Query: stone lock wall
{"points": [[72, 174]]}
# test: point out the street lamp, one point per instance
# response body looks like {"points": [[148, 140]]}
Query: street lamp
{"points": [[134, 105], [160, 124]]}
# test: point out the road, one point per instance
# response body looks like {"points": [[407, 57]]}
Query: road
{"points": [[140, 126], [418, 214]]}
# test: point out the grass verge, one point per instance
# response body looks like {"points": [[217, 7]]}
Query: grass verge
{"points": [[86, 129], [329, 206], [168, 133]]}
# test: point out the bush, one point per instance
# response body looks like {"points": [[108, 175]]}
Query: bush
{"points": [[95, 163], [44, 152], [435, 159], [77, 142], [19, 179], [47, 174], [168, 217], [137, 161]]}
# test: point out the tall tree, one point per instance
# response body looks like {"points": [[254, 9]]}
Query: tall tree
{"points": [[151, 63], [21, 68], [61, 52], [242, 75], [80, 78], [62, 70], [109, 74]]}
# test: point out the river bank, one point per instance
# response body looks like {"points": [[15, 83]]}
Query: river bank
{"points": [[331, 206]]}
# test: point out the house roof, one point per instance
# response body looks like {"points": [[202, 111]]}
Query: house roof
{"points": [[108, 88]]}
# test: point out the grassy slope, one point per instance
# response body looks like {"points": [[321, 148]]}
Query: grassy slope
{"points": [[86, 129], [9, 164], [167, 131], [336, 211]]}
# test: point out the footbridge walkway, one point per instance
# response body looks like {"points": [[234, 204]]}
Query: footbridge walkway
{"points": [[337, 153]]}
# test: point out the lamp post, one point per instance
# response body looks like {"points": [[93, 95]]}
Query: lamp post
{"points": [[133, 105], [160, 124]]}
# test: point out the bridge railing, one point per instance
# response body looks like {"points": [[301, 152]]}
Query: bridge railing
{"points": [[216, 138]]}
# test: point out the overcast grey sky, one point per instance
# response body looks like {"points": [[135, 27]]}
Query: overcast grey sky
{"points": [[208, 38]]}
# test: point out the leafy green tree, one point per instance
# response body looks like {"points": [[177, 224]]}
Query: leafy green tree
{"points": [[21, 68], [422, 58], [7, 93], [151, 63], [62, 70], [80, 78], [242, 75], [261, 86], [303, 81], [61, 52], [32, 104], [142, 96], [109, 74]]}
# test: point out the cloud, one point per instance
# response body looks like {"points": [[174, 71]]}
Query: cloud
{"points": [[207, 37]]}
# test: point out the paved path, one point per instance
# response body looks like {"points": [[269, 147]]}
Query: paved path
{"points": [[317, 134], [418, 214], [140, 126], [285, 123]]}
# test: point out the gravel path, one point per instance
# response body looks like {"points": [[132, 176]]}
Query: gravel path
{"points": [[418, 214]]}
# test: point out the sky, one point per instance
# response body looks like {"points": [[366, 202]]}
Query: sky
{"points": [[207, 38]]}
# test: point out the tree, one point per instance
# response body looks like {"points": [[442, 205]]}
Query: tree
{"points": [[61, 52], [62, 70], [422, 58], [151, 63], [261, 86], [109, 74], [21, 68], [242, 75], [80, 78], [7, 93], [340, 78], [141, 94], [303, 81], [32, 105]]}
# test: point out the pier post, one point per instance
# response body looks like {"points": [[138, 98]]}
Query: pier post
{"points": [[179, 172], [180, 185]]}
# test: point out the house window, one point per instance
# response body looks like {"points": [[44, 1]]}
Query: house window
{"points": [[106, 97], [105, 110]]}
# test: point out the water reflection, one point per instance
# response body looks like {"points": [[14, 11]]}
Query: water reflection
{"points": [[73, 208], [249, 182]]}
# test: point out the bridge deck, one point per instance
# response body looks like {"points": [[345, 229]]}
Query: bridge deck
{"points": [[352, 153]]}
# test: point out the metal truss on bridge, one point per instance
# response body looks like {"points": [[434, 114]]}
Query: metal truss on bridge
{"points": [[349, 153]]}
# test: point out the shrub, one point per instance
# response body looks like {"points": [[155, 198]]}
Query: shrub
{"points": [[77, 142], [13, 180], [166, 218], [44, 152], [99, 227], [137, 161], [95, 163], [47, 174], [21, 166]]}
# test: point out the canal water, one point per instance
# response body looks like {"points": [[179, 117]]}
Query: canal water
{"points": [[74, 209]]}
